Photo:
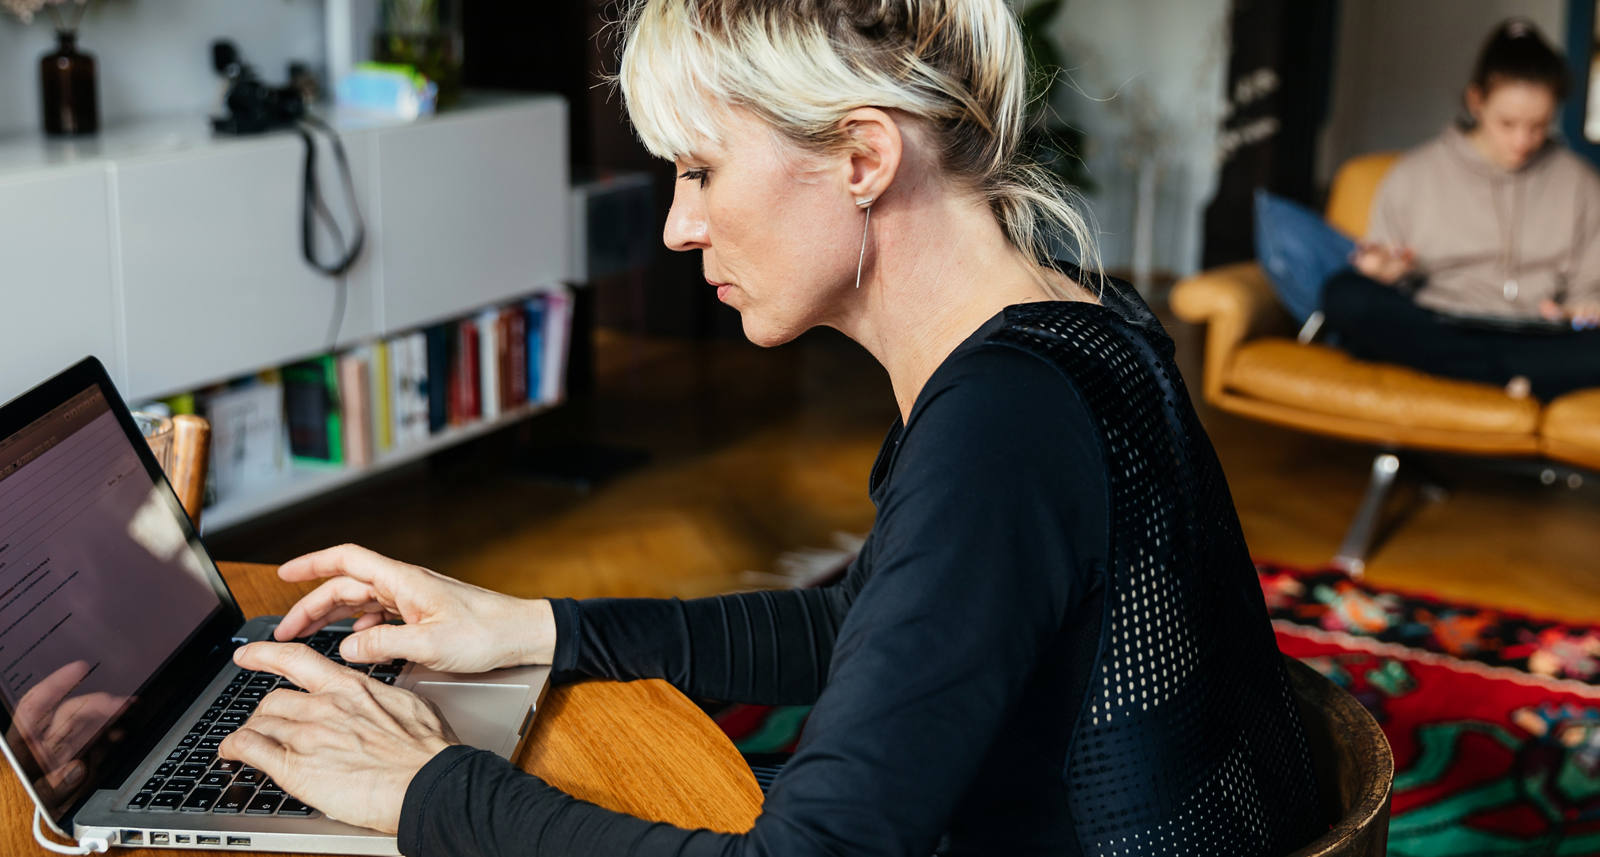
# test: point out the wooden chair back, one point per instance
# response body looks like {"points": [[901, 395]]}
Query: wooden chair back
{"points": [[1353, 763]]}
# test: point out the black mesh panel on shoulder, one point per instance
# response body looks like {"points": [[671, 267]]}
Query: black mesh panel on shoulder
{"points": [[1189, 742]]}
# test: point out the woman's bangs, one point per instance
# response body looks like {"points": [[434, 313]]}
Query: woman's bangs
{"points": [[668, 78]]}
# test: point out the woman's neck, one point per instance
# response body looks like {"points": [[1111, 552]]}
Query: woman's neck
{"points": [[936, 273]]}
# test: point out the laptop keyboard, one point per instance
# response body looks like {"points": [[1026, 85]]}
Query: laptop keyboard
{"points": [[193, 779]]}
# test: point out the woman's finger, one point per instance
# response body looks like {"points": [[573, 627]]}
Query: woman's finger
{"points": [[336, 599], [297, 662], [288, 704], [345, 560], [369, 619], [298, 737], [382, 642], [255, 748]]}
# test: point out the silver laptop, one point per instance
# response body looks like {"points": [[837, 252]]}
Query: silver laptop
{"points": [[116, 636]]}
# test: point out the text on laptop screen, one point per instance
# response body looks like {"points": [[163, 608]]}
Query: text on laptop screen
{"points": [[98, 585]]}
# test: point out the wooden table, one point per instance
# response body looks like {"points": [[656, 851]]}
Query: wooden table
{"points": [[638, 747]]}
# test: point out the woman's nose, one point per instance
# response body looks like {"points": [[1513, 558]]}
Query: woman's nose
{"points": [[686, 225]]}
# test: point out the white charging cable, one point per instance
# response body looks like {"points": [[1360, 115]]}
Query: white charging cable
{"points": [[89, 845]]}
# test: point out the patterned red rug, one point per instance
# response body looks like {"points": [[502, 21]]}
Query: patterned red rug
{"points": [[1494, 716]]}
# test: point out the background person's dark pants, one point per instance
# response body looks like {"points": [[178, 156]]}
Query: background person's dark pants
{"points": [[1381, 323]]}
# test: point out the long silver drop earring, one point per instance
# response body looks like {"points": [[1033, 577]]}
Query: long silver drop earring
{"points": [[863, 202]]}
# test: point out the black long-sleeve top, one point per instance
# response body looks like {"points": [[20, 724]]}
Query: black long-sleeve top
{"points": [[950, 669]]}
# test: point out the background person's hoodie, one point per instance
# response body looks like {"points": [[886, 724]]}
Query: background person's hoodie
{"points": [[1488, 240]]}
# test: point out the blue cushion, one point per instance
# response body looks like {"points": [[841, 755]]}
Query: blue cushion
{"points": [[1299, 251]]}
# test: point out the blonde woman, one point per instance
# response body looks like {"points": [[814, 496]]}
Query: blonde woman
{"points": [[1053, 641]]}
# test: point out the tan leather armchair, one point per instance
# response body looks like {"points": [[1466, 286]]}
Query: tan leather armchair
{"points": [[1255, 367]]}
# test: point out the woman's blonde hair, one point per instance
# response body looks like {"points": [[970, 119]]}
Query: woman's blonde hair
{"points": [[802, 65]]}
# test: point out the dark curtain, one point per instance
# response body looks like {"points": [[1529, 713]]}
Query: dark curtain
{"points": [[1280, 71]]}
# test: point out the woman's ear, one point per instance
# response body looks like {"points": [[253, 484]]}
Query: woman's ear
{"points": [[874, 155], [1474, 102]]}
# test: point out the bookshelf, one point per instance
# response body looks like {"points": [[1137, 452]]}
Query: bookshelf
{"points": [[174, 255], [303, 483], [291, 434]]}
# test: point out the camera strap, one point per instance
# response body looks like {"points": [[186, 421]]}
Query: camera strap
{"points": [[314, 207]]}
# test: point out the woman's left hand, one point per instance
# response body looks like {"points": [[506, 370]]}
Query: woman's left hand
{"points": [[349, 745], [1582, 315]]}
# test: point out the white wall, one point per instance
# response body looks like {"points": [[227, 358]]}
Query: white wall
{"points": [[1401, 67], [154, 56], [1152, 70]]}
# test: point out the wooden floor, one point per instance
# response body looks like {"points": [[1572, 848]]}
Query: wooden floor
{"points": [[749, 455]]}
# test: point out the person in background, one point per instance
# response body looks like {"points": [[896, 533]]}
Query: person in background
{"points": [[1053, 641], [1482, 254]]}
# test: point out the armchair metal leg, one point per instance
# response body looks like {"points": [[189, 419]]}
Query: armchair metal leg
{"points": [[1352, 556]]}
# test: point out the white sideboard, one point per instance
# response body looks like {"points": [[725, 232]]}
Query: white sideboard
{"points": [[174, 256]]}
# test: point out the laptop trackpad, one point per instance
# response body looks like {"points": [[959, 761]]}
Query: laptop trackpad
{"points": [[482, 715]]}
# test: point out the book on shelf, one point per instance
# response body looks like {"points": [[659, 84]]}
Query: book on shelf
{"points": [[464, 373], [355, 385], [487, 325], [382, 397], [534, 312], [353, 408], [403, 379], [515, 359], [558, 329], [313, 412], [248, 434], [437, 375], [417, 430]]}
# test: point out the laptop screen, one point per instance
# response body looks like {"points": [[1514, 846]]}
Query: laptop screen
{"points": [[100, 587]]}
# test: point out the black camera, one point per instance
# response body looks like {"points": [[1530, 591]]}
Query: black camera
{"points": [[252, 106]]}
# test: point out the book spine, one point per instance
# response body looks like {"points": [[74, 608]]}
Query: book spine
{"points": [[502, 358], [382, 397], [419, 392], [438, 380], [464, 373], [536, 313], [355, 383], [399, 379], [334, 419], [488, 364], [558, 322], [517, 341]]}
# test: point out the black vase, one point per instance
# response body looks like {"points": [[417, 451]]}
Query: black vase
{"points": [[67, 89]]}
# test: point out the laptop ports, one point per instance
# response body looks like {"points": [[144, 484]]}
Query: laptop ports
{"points": [[158, 838], [132, 837], [238, 840], [203, 839]]}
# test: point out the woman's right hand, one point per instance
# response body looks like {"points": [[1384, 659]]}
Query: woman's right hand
{"points": [[1384, 264], [449, 625]]}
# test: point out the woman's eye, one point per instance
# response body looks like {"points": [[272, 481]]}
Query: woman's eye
{"points": [[698, 174]]}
